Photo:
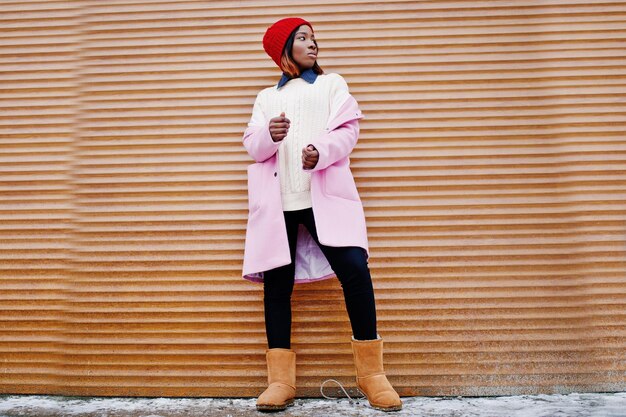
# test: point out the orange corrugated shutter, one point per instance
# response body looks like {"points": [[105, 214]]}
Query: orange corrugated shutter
{"points": [[491, 164]]}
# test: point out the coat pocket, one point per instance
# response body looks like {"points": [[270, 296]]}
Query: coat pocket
{"points": [[255, 186], [339, 182]]}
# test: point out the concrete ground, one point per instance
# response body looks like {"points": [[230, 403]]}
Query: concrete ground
{"points": [[566, 405]]}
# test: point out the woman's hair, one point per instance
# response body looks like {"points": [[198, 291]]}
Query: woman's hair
{"points": [[288, 64]]}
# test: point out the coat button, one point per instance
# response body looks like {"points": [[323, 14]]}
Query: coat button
{"points": [[275, 174]]}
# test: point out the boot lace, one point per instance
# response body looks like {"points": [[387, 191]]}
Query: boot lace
{"points": [[350, 399]]}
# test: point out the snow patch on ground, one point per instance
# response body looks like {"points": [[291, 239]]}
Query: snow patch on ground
{"points": [[558, 405]]}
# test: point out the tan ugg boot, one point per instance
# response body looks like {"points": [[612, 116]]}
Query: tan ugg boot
{"points": [[370, 375], [281, 377]]}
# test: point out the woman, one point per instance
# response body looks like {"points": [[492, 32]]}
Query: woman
{"points": [[306, 220]]}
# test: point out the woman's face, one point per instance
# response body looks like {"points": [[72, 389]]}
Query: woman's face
{"points": [[304, 49]]}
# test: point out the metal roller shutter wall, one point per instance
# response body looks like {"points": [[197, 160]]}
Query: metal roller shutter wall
{"points": [[491, 164]]}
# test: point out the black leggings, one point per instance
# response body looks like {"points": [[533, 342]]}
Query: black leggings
{"points": [[350, 265]]}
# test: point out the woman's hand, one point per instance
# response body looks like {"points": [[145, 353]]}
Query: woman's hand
{"points": [[310, 156], [279, 126]]}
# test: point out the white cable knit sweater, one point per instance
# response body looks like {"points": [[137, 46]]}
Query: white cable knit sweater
{"points": [[308, 107]]}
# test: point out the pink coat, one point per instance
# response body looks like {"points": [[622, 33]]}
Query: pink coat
{"points": [[337, 207]]}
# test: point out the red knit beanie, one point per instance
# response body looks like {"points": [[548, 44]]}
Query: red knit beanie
{"points": [[276, 36]]}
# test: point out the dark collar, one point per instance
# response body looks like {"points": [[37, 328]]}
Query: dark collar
{"points": [[308, 75]]}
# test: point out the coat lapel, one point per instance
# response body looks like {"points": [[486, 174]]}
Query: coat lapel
{"points": [[349, 110]]}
